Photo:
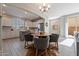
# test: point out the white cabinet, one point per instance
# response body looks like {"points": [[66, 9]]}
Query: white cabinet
{"points": [[7, 33], [6, 21]]}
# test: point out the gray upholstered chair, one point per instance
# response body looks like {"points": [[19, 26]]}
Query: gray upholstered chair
{"points": [[54, 38], [41, 44], [22, 33], [28, 37], [77, 36], [77, 42]]}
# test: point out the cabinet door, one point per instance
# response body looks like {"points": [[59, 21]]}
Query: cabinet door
{"points": [[6, 21]]}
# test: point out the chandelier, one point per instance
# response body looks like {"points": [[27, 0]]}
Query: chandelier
{"points": [[44, 7]]}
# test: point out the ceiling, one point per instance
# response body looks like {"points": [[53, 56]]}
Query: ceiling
{"points": [[18, 12], [56, 9]]}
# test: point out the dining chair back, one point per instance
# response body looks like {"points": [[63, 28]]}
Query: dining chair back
{"points": [[54, 38], [41, 44], [28, 37]]}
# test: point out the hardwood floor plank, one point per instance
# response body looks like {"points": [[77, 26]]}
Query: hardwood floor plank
{"points": [[14, 47]]}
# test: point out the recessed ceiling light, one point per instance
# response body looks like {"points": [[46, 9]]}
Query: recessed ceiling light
{"points": [[25, 12], [4, 5]]}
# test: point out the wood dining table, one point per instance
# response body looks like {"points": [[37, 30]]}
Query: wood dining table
{"points": [[37, 34]]}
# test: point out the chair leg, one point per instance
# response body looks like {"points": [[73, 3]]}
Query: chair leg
{"points": [[49, 51], [46, 52], [57, 45], [49, 45], [26, 45], [36, 52]]}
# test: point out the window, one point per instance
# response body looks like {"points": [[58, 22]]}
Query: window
{"points": [[73, 25]]}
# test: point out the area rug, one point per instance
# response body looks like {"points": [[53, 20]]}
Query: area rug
{"points": [[51, 51]]}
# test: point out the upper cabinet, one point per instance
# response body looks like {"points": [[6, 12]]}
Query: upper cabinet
{"points": [[6, 20]]}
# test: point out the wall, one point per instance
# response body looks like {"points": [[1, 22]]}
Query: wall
{"points": [[62, 26], [54, 26]]}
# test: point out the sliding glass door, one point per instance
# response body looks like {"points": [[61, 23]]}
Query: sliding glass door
{"points": [[73, 25], [77, 24]]}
